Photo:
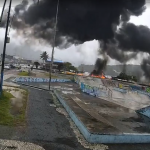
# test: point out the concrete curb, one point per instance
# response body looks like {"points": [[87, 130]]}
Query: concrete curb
{"points": [[39, 80], [144, 111], [103, 138], [36, 87]]}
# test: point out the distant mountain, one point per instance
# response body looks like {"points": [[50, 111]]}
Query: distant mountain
{"points": [[114, 70]]}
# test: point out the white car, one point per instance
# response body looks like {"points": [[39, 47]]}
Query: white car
{"points": [[6, 67]]}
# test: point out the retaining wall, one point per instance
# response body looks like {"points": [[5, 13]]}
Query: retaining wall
{"points": [[144, 111], [33, 79], [92, 90]]}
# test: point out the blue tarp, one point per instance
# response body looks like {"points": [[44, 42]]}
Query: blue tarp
{"points": [[55, 61]]}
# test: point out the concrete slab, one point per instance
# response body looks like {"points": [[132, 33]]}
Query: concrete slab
{"points": [[104, 121]]}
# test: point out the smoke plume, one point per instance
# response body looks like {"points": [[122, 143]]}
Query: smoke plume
{"points": [[77, 21], [80, 21], [100, 65], [146, 67]]}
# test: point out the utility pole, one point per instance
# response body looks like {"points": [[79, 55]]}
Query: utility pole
{"points": [[4, 48], [2, 11], [52, 56]]}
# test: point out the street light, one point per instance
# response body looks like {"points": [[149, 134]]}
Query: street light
{"points": [[6, 40], [54, 40]]}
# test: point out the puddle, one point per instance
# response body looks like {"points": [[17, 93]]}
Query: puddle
{"points": [[70, 92], [67, 92]]}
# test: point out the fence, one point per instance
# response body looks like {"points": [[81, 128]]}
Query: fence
{"points": [[141, 89]]}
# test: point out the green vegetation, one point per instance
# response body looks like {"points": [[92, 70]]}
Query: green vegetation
{"points": [[68, 66], [5, 105], [24, 73], [127, 77], [44, 56], [6, 109], [36, 64]]}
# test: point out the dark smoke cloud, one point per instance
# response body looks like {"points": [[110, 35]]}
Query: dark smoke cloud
{"points": [[100, 65], [85, 20], [115, 53], [146, 67], [21, 7], [78, 21], [134, 38]]}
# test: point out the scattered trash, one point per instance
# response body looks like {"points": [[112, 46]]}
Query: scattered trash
{"points": [[52, 105]]}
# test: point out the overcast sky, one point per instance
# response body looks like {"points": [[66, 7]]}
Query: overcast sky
{"points": [[81, 54]]}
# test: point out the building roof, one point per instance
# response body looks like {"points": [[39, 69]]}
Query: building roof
{"points": [[55, 61]]}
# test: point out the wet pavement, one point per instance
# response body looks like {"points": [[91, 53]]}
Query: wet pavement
{"points": [[45, 126], [113, 109], [99, 115], [117, 114], [102, 116]]}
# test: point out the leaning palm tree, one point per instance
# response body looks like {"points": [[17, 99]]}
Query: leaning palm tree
{"points": [[44, 56]]}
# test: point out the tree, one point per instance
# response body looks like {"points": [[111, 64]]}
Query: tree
{"points": [[73, 68], [127, 77], [36, 64], [44, 56], [68, 66], [60, 66]]}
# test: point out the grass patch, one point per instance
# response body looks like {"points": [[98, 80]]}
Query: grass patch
{"points": [[24, 73], [6, 117], [5, 105]]}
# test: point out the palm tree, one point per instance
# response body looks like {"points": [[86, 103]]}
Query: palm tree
{"points": [[44, 56]]}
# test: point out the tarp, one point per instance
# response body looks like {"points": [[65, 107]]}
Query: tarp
{"points": [[55, 61]]}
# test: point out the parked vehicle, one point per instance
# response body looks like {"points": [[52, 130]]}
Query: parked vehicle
{"points": [[6, 67], [12, 66]]}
